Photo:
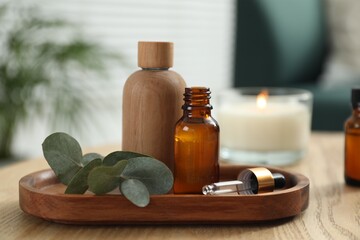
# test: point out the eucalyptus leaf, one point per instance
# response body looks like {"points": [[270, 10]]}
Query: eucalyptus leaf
{"points": [[90, 157], [104, 179], [79, 183], [136, 192], [63, 154], [154, 174], [117, 156]]}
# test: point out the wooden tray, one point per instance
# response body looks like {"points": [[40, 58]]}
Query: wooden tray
{"points": [[41, 195]]}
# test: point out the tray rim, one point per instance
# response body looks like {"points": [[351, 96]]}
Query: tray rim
{"points": [[301, 187]]}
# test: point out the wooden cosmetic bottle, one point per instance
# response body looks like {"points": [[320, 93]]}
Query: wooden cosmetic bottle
{"points": [[152, 100]]}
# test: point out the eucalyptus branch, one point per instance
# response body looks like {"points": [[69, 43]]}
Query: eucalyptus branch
{"points": [[136, 176]]}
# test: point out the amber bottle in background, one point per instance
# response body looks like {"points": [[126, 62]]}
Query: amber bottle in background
{"points": [[196, 143], [352, 141], [152, 100]]}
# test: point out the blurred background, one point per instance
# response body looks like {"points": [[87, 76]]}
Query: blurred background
{"points": [[203, 33], [64, 63]]}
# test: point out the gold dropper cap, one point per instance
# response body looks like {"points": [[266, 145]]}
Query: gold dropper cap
{"points": [[155, 54], [263, 177]]}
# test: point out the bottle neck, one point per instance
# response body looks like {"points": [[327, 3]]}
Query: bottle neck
{"points": [[356, 112], [197, 102], [155, 69]]}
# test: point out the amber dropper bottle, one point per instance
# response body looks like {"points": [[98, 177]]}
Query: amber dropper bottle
{"points": [[352, 141], [196, 143]]}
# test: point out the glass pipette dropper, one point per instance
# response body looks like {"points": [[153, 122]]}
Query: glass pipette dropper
{"points": [[250, 181]]}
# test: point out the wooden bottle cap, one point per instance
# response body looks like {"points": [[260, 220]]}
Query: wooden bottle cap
{"points": [[155, 54]]}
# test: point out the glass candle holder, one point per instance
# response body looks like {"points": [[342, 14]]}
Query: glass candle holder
{"points": [[269, 126]]}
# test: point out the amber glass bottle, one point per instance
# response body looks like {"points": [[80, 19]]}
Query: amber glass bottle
{"points": [[352, 141], [196, 143]]}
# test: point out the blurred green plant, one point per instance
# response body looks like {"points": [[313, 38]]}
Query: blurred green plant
{"points": [[45, 66]]}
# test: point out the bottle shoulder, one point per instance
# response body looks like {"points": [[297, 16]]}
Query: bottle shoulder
{"points": [[352, 123], [145, 80], [207, 122], [167, 83], [155, 74]]}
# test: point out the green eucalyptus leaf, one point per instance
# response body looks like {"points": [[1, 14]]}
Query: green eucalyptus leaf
{"points": [[154, 174], [136, 192], [117, 156], [63, 154], [104, 179], [90, 157], [79, 183]]}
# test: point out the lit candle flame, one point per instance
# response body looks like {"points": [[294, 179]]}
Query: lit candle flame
{"points": [[261, 99]]}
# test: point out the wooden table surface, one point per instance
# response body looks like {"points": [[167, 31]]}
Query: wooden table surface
{"points": [[333, 213]]}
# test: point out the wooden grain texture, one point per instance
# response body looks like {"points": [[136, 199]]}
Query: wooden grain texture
{"points": [[43, 196], [333, 212], [155, 54], [152, 103]]}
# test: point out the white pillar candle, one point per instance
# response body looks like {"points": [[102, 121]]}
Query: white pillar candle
{"points": [[274, 127]]}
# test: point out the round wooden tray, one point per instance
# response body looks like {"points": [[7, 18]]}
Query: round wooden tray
{"points": [[42, 195]]}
